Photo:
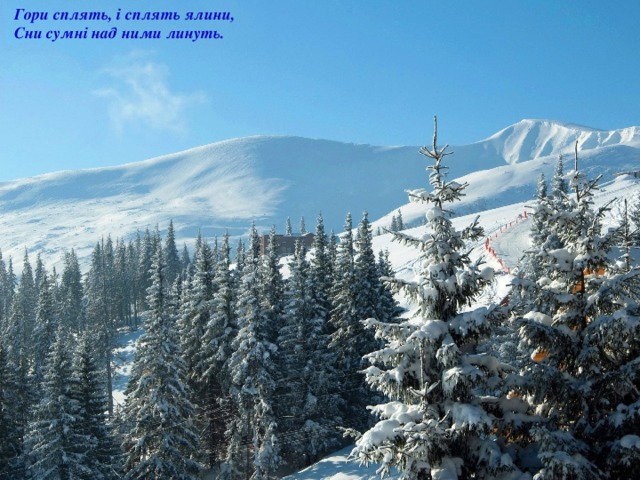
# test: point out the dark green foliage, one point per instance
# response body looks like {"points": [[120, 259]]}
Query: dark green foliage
{"points": [[24, 308], [321, 272], [101, 302], [634, 221], [145, 255], [185, 259], [7, 290], [195, 313]]}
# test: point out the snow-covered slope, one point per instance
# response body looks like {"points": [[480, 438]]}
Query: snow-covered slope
{"points": [[339, 467], [508, 229], [226, 185], [516, 182], [229, 184]]}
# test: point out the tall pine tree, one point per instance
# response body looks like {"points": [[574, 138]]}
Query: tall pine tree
{"points": [[441, 411], [253, 370], [99, 452], [219, 334], [161, 440], [174, 266], [55, 448], [71, 293]]}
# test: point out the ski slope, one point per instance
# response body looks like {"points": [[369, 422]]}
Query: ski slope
{"points": [[512, 244]]}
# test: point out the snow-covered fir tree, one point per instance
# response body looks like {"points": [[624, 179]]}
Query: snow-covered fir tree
{"points": [[559, 185], [10, 437], [397, 223], [145, 257], [525, 295], [160, 440], [174, 267], [19, 385], [100, 305], [4, 292], [445, 403], [185, 259], [10, 285], [332, 248], [272, 285], [5, 418], [240, 259], [253, 447], [46, 326], [308, 407], [349, 340], [23, 310], [393, 227], [122, 285], [195, 312], [400, 220], [321, 271], [38, 273], [625, 235], [132, 262], [100, 454], [55, 449], [216, 352], [584, 369], [367, 275], [388, 307], [538, 233], [357, 295], [71, 293]]}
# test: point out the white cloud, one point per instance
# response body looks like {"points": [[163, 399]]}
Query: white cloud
{"points": [[142, 94]]}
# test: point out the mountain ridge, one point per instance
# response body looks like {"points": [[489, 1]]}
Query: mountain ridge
{"points": [[228, 185], [540, 138]]}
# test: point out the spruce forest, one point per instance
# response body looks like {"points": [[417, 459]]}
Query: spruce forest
{"points": [[255, 366]]}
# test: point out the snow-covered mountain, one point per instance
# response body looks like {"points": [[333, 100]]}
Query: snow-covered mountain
{"points": [[529, 139], [227, 185]]}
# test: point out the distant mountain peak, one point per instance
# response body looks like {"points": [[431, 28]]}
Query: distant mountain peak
{"points": [[529, 139], [555, 123]]}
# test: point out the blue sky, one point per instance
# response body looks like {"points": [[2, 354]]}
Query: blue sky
{"points": [[363, 71]]}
